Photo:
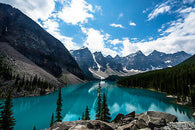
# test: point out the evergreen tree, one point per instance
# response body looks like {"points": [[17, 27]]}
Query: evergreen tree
{"points": [[105, 114], [8, 120], [59, 107], [87, 114], [52, 120], [99, 101], [83, 116]]}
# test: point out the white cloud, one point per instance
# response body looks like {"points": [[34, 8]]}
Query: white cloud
{"points": [[77, 11], [99, 9], [116, 25], [52, 27], [95, 41], [120, 16], [35, 9], [180, 37], [145, 11], [115, 41], [132, 23], [163, 8]]}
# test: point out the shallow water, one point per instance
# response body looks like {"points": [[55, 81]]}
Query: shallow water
{"points": [[37, 111]]}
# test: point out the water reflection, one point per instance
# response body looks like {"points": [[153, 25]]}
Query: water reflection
{"points": [[30, 111]]}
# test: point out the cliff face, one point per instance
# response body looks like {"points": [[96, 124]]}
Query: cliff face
{"points": [[29, 39]]}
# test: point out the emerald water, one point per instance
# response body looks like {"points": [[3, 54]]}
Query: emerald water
{"points": [[37, 111]]}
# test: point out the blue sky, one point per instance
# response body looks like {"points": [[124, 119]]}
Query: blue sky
{"points": [[116, 26]]}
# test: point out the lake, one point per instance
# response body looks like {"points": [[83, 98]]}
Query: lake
{"points": [[37, 111]]}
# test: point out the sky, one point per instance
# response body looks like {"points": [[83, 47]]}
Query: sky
{"points": [[116, 26]]}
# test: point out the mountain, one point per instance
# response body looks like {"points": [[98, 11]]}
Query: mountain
{"points": [[85, 60], [38, 49], [96, 65], [155, 60], [178, 80]]}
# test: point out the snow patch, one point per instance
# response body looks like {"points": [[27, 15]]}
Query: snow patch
{"points": [[132, 70], [101, 77], [168, 61], [98, 65], [155, 68]]}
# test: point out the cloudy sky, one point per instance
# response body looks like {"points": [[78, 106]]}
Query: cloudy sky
{"points": [[116, 26]]}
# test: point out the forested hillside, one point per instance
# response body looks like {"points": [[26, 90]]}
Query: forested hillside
{"points": [[178, 80]]}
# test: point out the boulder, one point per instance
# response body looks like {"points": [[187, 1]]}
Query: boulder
{"points": [[82, 125], [193, 114], [157, 119], [179, 126], [118, 118], [141, 124], [157, 123], [132, 114], [152, 116], [127, 120], [125, 127]]}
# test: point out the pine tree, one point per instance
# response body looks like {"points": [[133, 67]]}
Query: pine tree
{"points": [[83, 116], [52, 120], [8, 120], [99, 101], [87, 114], [105, 114], [59, 107]]}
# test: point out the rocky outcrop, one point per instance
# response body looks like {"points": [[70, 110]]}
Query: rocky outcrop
{"points": [[82, 125], [180, 126], [150, 120]]}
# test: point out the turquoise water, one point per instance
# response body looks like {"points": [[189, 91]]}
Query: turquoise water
{"points": [[30, 111]]}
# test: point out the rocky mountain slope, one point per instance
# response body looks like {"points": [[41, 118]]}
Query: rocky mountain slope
{"points": [[155, 60], [42, 53], [95, 64]]}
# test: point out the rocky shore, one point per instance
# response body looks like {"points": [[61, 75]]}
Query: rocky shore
{"points": [[150, 120]]}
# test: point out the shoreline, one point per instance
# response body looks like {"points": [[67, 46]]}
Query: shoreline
{"points": [[173, 101]]}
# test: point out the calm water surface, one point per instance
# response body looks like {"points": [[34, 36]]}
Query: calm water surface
{"points": [[37, 111]]}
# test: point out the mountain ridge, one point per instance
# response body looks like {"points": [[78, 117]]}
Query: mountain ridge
{"points": [[134, 62], [36, 44]]}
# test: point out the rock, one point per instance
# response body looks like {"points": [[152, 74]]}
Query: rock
{"points": [[137, 115], [193, 114], [132, 114], [118, 118], [153, 117], [157, 119], [141, 124], [134, 127], [127, 119], [125, 127], [145, 129], [144, 121], [179, 126], [82, 125]]}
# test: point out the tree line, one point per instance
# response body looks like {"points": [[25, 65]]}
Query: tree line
{"points": [[21, 83], [178, 80]]}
